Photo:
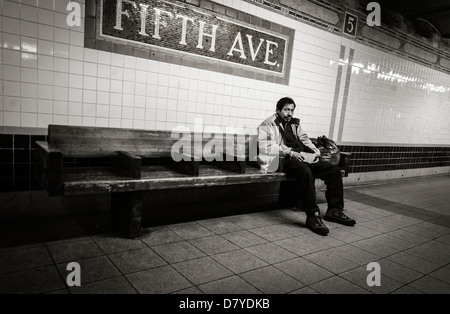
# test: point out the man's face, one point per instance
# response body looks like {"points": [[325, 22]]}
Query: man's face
{"points": [[287, 112]]}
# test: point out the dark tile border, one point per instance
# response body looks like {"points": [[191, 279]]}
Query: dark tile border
{"points": [[385, 158]]}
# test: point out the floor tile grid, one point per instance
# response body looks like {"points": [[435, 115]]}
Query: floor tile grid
{"points": [[419, 226], [250, 229], [258, 241], [82, 243], [423, 235]]}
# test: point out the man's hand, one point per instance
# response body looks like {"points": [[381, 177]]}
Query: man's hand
{"points": [[306, 157]]}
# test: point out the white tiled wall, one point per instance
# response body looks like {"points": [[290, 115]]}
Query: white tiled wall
{"points": [[49, 77], [393, 100]]}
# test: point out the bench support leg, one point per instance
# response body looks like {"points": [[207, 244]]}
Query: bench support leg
{"points": [[289, 194], [126, 212]]}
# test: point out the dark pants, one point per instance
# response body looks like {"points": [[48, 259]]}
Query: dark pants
{"points": [[305, 185]]}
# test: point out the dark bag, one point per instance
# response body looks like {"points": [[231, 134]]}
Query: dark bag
{"points": [[329, 151]]}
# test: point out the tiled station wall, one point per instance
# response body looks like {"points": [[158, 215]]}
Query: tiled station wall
{"points": [[390, 112]]}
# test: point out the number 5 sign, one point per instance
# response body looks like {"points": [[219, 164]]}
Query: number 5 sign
{"points": [[350, 24]]}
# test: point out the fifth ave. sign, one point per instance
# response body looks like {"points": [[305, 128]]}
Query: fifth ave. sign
{"points": [[176, 26]]}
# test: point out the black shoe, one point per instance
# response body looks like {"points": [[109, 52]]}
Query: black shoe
{"points": [[316, 225], [339, 217]]}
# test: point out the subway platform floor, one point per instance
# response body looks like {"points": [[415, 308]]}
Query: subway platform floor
{"points": [[403, 226]]}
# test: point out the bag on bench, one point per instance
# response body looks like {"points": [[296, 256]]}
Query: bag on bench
{"points": [[329, 151]]}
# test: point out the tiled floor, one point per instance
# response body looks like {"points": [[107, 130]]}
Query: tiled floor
{"points": [[403, 226]]}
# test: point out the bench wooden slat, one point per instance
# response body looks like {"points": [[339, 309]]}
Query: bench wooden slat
{"points": [[165, 179], [148, 173], [79, 141]]}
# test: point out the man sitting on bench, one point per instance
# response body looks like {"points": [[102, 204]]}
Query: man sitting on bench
{"points": [[282, 135]]}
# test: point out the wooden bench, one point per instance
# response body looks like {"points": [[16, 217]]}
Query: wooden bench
{"points": [[131, 161]]}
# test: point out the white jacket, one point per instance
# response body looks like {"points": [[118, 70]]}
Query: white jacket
{"points": [[271, 141]]}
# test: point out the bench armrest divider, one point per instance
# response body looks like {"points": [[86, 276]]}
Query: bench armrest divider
{"points": [[189, 164], [128, 164], [48, 170]]}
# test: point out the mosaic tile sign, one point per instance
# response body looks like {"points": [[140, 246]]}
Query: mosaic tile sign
{"points": [[178, 28]]}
